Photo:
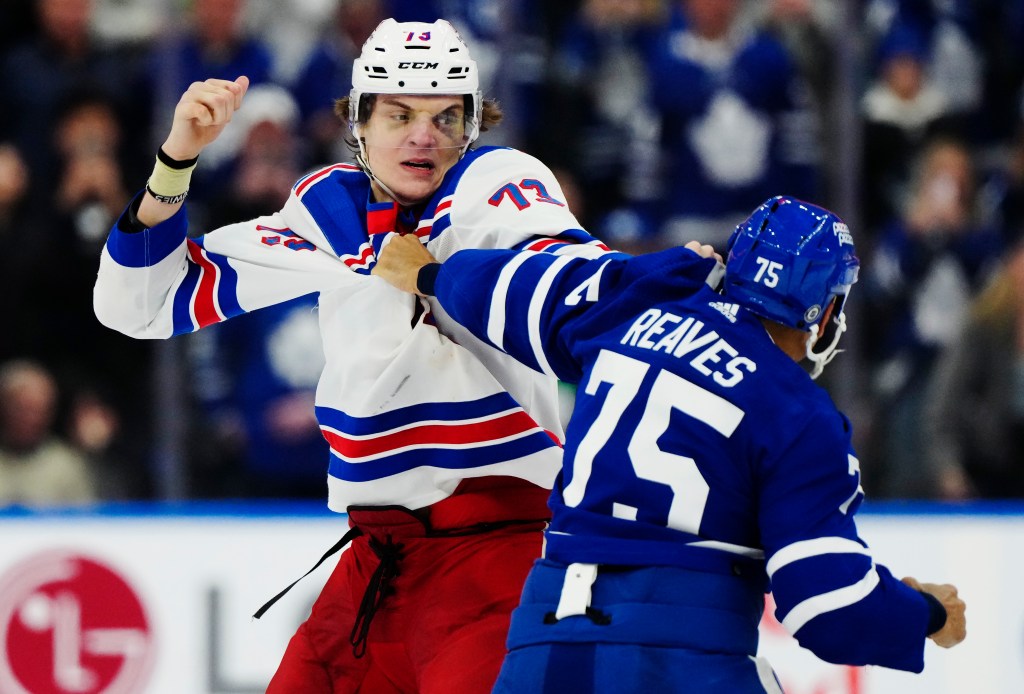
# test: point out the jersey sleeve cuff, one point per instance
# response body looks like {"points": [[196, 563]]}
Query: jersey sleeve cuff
{"points": [[132, 244], [936, 613], [427, 278]]}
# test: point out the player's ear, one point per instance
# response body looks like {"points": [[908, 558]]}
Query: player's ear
{"points": [[826, 317]]}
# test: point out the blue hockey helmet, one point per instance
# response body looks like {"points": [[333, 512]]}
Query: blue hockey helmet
{"points": [[787, 262]]}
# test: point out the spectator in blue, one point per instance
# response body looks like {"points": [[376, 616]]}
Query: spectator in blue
{"points": [[903, 110], [214, 45], [737, 122], [977, 56], [928, 265], [327, 72], [507, 40], [599, 87], [37, 75]]}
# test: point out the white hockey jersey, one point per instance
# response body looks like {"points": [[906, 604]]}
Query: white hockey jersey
{"points": [[409, 401]]}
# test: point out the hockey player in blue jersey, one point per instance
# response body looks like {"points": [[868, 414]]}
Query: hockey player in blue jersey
{"points": [[702, 467]]}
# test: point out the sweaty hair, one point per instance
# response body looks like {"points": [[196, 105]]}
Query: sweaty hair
{"points": [[490, 114]]}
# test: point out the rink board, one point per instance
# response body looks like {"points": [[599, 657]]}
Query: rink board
{"points": [[158, 599]]}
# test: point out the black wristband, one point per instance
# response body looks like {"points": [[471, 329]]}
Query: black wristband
{"points": [[167, 199], [168, 161], [936, 613], [426, 278]]}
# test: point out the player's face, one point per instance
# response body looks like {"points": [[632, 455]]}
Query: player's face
{"points": [[412, 141]]}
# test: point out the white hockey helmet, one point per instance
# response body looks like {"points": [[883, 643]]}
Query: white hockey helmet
{"points": [[416, 58]]}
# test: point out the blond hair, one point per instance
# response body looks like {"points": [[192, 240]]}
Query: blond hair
{"points": [[1000, 302]]}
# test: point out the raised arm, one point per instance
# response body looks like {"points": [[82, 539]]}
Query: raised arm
{"points": [[199, 118], [156, 280]]}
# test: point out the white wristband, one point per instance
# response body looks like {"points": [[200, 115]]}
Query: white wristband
{"points": [[169, 183]]}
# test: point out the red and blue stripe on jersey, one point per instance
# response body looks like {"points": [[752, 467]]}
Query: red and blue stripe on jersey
{"points": [[439, 220], [451, 435], [208, 293]]}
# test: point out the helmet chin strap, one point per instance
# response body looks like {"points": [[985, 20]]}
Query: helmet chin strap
{"points": [[820, 359], [365, 166], [360, 159]]}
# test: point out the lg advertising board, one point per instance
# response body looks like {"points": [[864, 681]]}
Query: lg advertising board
{"points": [[150, 600]]}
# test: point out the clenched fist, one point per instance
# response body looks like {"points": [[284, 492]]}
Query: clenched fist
{"points": [[201, 114], [955, 629], [400, 261]]}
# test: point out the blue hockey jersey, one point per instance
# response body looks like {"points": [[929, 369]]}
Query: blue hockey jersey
{"points": [[695, 442]]}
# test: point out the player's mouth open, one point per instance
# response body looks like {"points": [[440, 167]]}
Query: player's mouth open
{"points": [[419, 164]]}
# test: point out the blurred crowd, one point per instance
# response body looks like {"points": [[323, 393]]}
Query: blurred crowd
{"points": [[665, 120]]}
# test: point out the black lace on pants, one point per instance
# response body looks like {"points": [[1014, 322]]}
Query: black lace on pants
{"points": [[346, 538], [379, 587]]}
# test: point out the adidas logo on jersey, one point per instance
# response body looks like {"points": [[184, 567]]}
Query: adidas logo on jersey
{"points": [[730, 311]]}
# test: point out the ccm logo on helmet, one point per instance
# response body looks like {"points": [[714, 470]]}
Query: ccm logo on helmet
{"points": [[419, 65]]}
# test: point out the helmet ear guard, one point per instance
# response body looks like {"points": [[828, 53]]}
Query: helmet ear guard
{"points": [[788, 262], [834, 330]]}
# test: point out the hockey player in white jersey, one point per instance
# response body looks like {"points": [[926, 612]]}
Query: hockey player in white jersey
{"points": [[442, 449], [702, 465]]}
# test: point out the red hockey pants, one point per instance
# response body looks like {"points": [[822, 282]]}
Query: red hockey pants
{"points": [[420, 602]]}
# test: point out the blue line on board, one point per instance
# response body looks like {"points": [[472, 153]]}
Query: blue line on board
{"points": [[248, 508]]}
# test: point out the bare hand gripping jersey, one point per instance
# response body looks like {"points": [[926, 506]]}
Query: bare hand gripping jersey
{"points": [[695, 444], [408, 411]]}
